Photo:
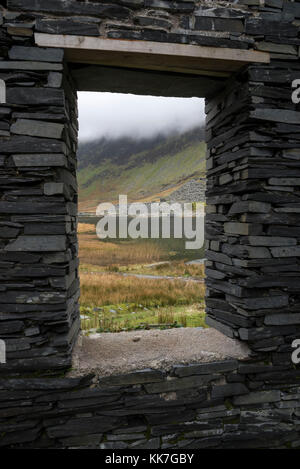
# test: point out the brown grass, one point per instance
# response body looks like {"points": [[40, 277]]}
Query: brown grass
{"points": [[178, 268], [98, 290], [165, 317], [86, 228], [97, 252]]}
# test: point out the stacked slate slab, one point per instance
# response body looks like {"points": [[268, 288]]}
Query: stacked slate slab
{"points": [[253, 197], [38, 194], [252, 234], [227, 404]]}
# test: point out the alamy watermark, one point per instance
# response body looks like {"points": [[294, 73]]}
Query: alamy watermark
{"points": [[153, 220], [296, 92], [296, 100], [2, 352], [296, 352], [2, 92]]}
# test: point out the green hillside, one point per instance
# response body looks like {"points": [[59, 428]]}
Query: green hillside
{"points": [[144, 169]]}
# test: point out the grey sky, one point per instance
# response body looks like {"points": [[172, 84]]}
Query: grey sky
{"points": [[116, 115]]}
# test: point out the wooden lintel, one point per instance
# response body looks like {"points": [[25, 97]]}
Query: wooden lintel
{"points": [[184, 58]]}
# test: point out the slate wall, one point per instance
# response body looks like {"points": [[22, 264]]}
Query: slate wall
{"points": [[252, 229], [38, 195], [38, 205], [227, 404], [253, 223]]}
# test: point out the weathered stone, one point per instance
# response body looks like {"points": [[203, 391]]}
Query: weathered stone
{"points": [[225, 329], [30, 208], [249, 206], [282, 319], [277, 48], [242, 228], [219, 257], [83, 426], [206, 368], [264, 332], [30, 66], [138, 377], [132, 3], [38, 244], [259, 397], [212, 273], [270, 241], [150, 21], [226, 390], [284, 181], [36, 128], [177, 384], [285, 251], [72, 7], [113, 445], [225, 179], [11, 327], [42, 54], [15, 30], [219, 24], [35, 96], [152, 443], [276, 115], [44, 159], [126, 437], [83, 441], [67, 26], [183, 5], [54, 81], [8, 232], [54, 188], [264, 302], [244, 251], [270, 28]]}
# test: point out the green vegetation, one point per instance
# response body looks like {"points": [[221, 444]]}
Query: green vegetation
{"points": [[147, 174], [113, 302], [127, 317], [145, 170]]}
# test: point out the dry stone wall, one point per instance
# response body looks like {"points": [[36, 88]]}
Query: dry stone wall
{"points": [[226, 404], [253, 234], [38, 204], [190, 191], [253, 210]]}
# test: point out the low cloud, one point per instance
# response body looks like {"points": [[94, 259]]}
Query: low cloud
{"points": [[119, 115]]}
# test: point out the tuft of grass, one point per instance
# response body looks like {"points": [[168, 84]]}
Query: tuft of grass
{"points": [[111, 302], [127, 317], [183, 320], [165, 316], [172, 269], [99, 290], [105, 253]]}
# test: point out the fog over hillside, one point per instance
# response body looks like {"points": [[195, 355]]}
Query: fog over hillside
{"points": [[141, 146], [142, 169], [114, 116]]}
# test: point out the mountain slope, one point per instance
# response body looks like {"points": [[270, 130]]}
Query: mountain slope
{"points": [[144, 170]]}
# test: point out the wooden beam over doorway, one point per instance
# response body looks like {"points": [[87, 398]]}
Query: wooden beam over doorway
{"points": [[179, 58]]}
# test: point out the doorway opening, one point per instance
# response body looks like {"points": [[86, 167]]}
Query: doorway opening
{"points": [[142, 298], [151, 150]]}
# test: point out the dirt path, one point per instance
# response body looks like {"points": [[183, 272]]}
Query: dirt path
{"points": [[163, 277], [150, 276], [116, 353]]}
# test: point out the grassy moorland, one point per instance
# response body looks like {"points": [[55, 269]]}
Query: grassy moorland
{"points": [[111, 301], [145, 170]]}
